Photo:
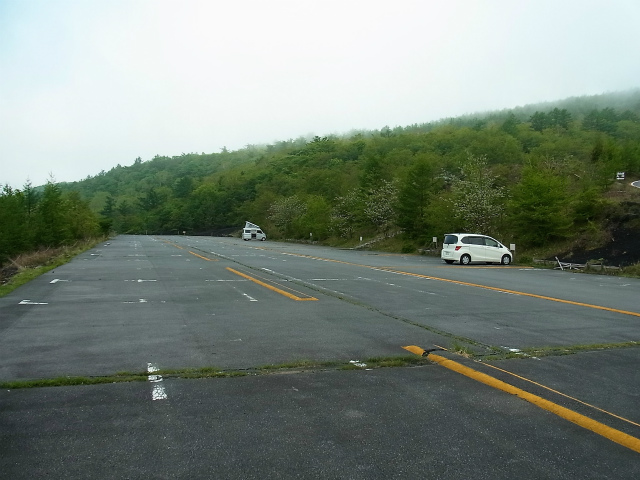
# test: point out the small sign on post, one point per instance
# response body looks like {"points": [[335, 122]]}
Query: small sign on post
{"points": [[435, 241]]}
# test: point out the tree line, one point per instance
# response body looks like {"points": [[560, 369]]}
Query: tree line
{"points": [[531, 179], [31, 219]]}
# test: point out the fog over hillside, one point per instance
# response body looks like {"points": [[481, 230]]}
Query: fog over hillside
{"points": [[89, 85]]}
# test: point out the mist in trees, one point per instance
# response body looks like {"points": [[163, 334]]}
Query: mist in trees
{"points": [[532, 175]]}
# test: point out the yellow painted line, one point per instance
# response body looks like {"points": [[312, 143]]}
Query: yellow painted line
{"points": [[612, 434], [327, 260], [414, 349], [476, 285], [419, 351], [271, 287], [204, 258], [173, 244], [563, 394], [515, 292]]}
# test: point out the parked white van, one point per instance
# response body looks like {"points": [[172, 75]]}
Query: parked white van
{"points": [[471, 247], [252, 231]]}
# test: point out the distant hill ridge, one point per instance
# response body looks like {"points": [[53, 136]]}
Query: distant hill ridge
{"points": [[540, 176]]}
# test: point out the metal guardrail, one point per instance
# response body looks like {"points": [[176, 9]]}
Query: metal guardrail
{"points": [[560, 265], [570, 266]]}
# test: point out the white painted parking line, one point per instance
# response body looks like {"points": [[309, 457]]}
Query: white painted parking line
{"points": [[330, 279], [29, 302], [251, 299], [158, 392], [56, 280]]}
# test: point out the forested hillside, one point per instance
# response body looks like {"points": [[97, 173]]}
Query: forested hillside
{"points": [[536, 176]]}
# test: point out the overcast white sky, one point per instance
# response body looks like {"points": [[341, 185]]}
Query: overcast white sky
{"points": [[89, 84]]}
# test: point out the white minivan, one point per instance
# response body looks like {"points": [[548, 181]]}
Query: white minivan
{"points": [[471, 247], [253, 234]]}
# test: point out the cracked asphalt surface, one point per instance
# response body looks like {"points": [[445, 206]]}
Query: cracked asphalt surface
{"points": [[139, 303]]}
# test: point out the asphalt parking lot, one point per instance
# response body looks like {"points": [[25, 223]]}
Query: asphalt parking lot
{"points": [[152, 304]]}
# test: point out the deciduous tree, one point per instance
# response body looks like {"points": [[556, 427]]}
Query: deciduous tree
{"points": [[477, 200]]}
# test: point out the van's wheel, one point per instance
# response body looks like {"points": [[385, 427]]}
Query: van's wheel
{"points": [[263, 238], [465, 259], [506, 260]]}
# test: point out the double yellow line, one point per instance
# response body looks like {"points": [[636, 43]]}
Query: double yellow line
{"points": [[192, 253], [204, 258], [515, 292], [476, 285], [281, 291], [612, 434], [304, 298]]}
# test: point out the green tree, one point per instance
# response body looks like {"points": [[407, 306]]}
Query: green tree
{"points": [[150, 201], [13, 235], [380, 205], [51, 227], [539, 121], [538, 207], [604, 120], [81, 222], [347, 213], [510, 124], [373, 173], [477, 199], [31, 198], [285, 212], [415, 195], [109, 208], [182, 187], [316, 218], [559, 118]]}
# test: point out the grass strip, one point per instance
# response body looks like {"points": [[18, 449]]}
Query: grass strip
{"points": [[48, 260], [213, 372], [70, 381], [558, 351]]}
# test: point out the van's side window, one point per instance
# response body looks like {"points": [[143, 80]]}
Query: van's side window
{"points": [[473, 240], [491, 242]]}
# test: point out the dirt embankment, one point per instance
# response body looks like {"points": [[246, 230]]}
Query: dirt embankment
{"points": [[623, 245], [6, 273]]}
